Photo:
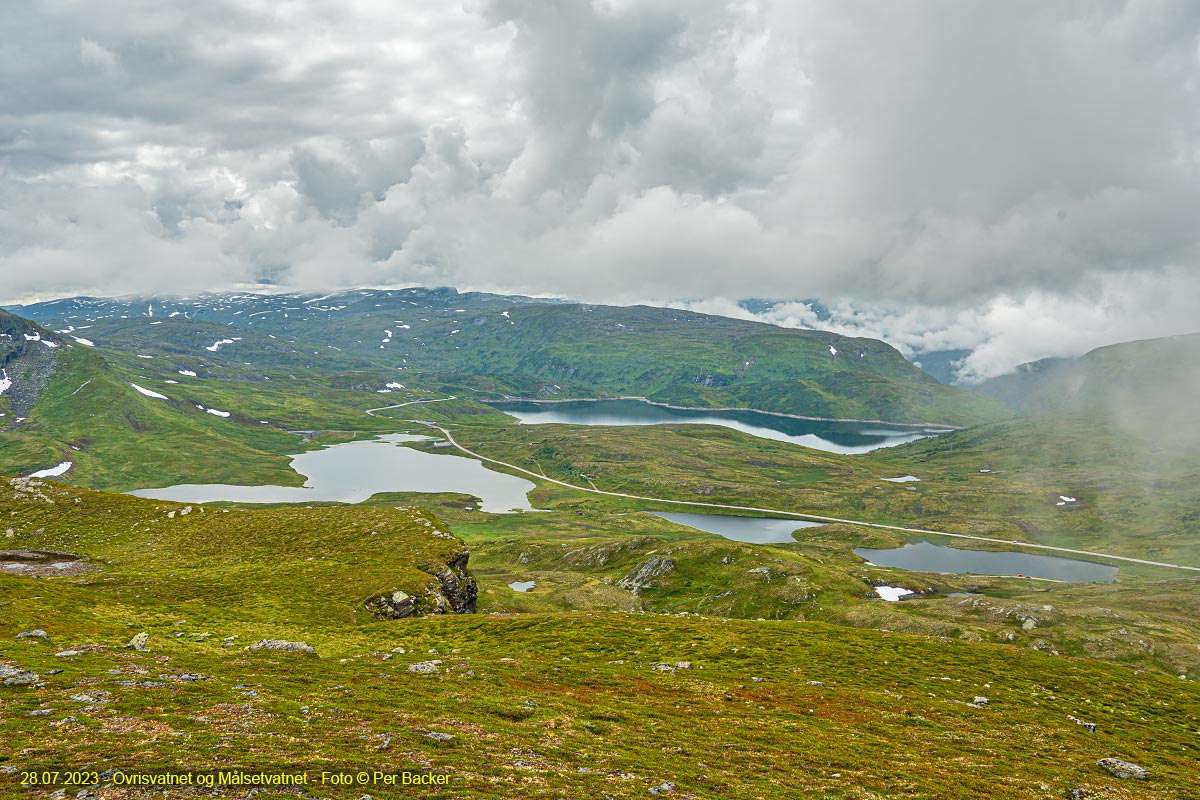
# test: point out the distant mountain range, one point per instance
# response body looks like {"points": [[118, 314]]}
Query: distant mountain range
{"points": [[501, 345]]}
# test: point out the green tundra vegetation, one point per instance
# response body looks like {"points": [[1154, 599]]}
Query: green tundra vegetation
{"points": [[649, 657], [558, 704]]}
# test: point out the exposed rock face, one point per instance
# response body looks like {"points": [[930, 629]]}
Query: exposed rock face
{"points": [[280, 644], [453, 591], [458, 586], [396, 605], [643, 577], [1124, 769]]}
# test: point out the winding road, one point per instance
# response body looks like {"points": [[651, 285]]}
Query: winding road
{"points": [[799, 515]]}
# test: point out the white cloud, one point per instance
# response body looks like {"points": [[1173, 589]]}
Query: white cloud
{"points": [[950, 170]]}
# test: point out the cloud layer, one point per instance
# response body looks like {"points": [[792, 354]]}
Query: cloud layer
{"points": [[1016, 178]]}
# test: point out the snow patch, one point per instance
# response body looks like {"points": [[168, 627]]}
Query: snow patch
{"points": [[217, 413], [832, 350], [52, 472], [5, 381], [139, 355], [892, 593], [187, 372], [84, 342], [394, 385], [902, 479], [215, 346], [149, 393]]}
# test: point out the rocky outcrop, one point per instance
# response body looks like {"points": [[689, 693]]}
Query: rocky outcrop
{"points": [[643, 576], [284, 646], [1124, 769], [452, 590], [15, 676]]}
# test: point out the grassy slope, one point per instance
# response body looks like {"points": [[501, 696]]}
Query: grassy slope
{"points": [[557, 705]]}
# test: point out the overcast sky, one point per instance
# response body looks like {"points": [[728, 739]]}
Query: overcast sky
{"points": [[1020, 178]]}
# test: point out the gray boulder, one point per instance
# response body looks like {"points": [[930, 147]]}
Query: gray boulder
{"points": [[15, 676], [396, 605], [1124, 769], [138, 642], [425, 667], [36, 633], [280, 644]]}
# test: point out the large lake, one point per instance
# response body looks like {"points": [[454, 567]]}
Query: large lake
{"points": [[833, 437], [352, 472], [757, 530], [925, 557]]}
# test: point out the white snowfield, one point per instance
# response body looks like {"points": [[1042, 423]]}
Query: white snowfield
{"points": [[217, 413], [52, 472], [903, 479], [215, 346], [149, 393], [832, 350], [5, 381], [892, 593], [84, 342], [187, 372]]}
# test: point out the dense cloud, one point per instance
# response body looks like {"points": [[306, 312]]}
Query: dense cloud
{"points": [[1018, 179]]}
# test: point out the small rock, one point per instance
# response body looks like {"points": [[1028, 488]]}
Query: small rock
{"points": [[816, 683], [41, 712], [54, 672], [666, 787], [980, 701], [1124, 769], [1029, 624], [67, 653], [138, 642], [425, 667], [438, 736], [284, 646], [36, 633]]}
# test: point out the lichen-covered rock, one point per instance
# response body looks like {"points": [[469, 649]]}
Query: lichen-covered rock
{"points": [[138, 642], [284, 646], [36, 633], [1124, 769], [15, 676]]}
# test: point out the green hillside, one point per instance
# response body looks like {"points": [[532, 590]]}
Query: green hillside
{"points": [[690, 359], [538, 704]]}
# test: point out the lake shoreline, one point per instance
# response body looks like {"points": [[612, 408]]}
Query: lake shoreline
{"points": [[648, 401]]}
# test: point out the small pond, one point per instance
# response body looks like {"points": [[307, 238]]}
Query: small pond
{"points": [[833, 437], [756, 530], [352, 472], [923, 556], [522, 586]]}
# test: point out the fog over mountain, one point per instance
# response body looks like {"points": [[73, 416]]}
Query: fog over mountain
{"points": [[1015, 179]]}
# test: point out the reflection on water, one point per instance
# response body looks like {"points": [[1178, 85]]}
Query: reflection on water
{"points": [[352, 472], [833, 437], [757, 530], [922, 556]]}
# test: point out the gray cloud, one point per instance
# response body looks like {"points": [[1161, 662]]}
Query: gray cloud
{"points": [[949, 170]]}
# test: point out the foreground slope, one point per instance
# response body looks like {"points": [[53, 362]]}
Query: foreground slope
{"points": [[557, 705]]}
